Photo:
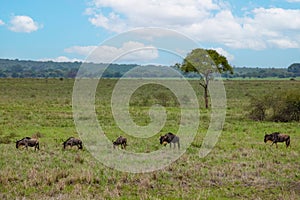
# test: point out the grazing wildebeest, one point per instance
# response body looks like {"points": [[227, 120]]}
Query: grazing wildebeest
{"points": [[170, 138], [28, 142], [120, 141], [278, 137], [71, 141]]}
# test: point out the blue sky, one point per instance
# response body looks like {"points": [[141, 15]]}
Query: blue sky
{"points": [[263, 33]]}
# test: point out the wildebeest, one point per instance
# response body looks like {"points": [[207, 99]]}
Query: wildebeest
{"points": [[28, 142], [71, 141], [120, 141], [169, 138], [278, 137]]}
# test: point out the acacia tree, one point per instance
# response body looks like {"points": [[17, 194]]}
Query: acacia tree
{"points": [[205, 63]]}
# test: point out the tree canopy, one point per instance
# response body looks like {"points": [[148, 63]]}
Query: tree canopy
{"points": [[205, 61], [295, 69]]}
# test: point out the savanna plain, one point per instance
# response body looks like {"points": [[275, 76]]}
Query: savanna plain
{"points": [[240, 166]]}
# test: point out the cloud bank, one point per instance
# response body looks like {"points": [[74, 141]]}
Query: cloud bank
{"points": [[129, 51], [205, 21]]}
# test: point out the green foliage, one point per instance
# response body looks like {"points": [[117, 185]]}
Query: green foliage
{"points": [[205, 61], [220, 61], [280, 106]]}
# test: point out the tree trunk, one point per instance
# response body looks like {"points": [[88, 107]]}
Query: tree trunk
{"points": [[204, 84], [206, 97], [205, 87]]}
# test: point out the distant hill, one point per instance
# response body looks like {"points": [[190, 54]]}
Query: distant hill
{"points": [[49, 69]]}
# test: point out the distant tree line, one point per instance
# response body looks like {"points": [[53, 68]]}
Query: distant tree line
{"points": [[49, 69], [245, 72]]}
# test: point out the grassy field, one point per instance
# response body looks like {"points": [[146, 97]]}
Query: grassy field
{"points": [[241, 166]]}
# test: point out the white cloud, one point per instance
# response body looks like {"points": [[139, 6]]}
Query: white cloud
{"points": [[277, 19], [22, 23], [1, 22], [129, 51], [61, 59], [205, 21], [148, 13], [113, 22], [223, 52], [283, 43], [293, 1], [81, 50]]}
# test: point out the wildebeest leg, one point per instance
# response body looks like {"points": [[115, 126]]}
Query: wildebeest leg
{"points": [[274, 143], [37, 146], [178, 145], [287, 143]]}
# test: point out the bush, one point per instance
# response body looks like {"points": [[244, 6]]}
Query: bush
{"points": [[279, 107]]}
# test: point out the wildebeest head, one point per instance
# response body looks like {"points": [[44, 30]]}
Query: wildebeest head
{"points": [[268, 137], [163, 140], [22, 142], [167, 138], [271, 137]]}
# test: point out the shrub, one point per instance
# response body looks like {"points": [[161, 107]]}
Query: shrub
{"points": [[280, 107]]}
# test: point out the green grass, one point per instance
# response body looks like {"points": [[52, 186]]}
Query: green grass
{"points": [[241, 166]]}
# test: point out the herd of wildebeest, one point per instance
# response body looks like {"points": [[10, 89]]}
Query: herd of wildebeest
{"points": [[168, 138]]}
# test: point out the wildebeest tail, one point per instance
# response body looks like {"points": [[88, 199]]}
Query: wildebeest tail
{"points": [[288, 141]]}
